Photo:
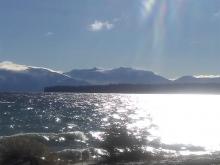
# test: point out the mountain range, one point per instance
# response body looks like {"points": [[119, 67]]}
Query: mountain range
{"points": [[22, 78]]}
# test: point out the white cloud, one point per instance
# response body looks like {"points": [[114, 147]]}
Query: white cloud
{"points": [[49, 34], [100, 25]]}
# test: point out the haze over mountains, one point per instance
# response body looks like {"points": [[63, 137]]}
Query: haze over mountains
{"points": [[22, 78]]}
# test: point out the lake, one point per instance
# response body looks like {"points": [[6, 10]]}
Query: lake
{"points": [[181, 123]]}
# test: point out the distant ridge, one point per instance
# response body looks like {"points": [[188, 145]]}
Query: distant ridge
{"points": [[198, 80], [122, 75]]}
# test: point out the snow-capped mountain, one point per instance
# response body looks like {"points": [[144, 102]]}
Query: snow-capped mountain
{"points": [[15, 77], [120, 75], [211, 79]]}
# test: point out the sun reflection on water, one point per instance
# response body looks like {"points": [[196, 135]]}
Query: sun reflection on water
{"points": [[184, 119]]}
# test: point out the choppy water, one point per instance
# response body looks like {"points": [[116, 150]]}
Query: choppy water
{"points": [[67, 122]]}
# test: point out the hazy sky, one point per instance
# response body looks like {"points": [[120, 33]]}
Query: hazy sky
{"points": [[170, 37]]}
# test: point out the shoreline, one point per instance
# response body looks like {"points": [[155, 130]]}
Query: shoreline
{"points": [[139, 89]]}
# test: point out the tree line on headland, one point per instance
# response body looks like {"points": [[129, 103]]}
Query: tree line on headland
{"points": [[139, 88]]}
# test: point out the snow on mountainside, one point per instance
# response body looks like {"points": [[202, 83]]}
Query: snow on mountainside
{"points": [[15, 77], [202, 79], [120, 75]]}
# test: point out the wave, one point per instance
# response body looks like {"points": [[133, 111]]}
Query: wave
{"points": [[53, 139], [53, 147]]}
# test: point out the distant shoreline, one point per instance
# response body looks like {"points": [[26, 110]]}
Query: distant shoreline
{"points": [[140, 89]]}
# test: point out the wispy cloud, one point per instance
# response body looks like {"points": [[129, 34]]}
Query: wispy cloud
{"points": [[49, 34], [216, 14], [101, 25]]}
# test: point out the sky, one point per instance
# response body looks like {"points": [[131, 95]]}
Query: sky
{"points": [[170, 37]]}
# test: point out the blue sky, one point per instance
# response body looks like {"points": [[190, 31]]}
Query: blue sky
{"points": [[169, 37]]}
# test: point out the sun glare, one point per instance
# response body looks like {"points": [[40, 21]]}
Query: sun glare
{"points": [[148, 6], [185, 119]]}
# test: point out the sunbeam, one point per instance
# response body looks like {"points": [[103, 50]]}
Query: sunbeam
{"points": [[162, 16]]}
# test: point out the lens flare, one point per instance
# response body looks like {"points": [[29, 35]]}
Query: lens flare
{"points": [[162, 16], [147, 7], [159, 34]]}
